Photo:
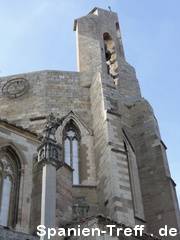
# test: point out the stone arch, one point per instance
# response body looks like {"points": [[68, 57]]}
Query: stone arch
{"points": [[12, 159], [12, 146], [81, 125], [72, 123], [109, 48], [86, 159], [110, 55], [72, 148]]}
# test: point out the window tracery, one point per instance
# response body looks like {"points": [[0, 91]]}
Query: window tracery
{"points": [[8, 189], [71, 148]]}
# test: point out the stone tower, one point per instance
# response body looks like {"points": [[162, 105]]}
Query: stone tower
{"points": [[133, 178], [115, 159]]}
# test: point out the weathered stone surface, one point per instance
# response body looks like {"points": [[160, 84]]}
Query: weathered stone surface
{"points": [[123, 168]]}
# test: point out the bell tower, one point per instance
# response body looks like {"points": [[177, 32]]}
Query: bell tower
{"points": [[134, 184], [101, 55], [99, 43]]}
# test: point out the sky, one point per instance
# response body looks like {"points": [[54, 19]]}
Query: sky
{"points": [[38, 35]]}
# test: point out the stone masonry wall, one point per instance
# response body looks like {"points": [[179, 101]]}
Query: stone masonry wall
{"points": [[113, 184], [35, 213], [89, 195], [90, 43], [100, 223], [14, 235], [50, 91], [122, 204], [160, 203], [101, 153], [24, 145], [64, 201], [128, 84]]}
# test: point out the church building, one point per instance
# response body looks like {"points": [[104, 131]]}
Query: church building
{"points": [[83, 149]]}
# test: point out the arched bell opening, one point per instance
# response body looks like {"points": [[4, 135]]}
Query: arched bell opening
{"points": [[110, 56]]}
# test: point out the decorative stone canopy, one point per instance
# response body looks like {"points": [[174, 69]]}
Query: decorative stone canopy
{"points": [[49, 152]]}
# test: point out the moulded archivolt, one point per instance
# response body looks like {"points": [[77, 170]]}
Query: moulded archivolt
{"points": [[78, 121]]}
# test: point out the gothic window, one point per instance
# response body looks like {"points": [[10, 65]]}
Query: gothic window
{"points": [[8, 188], [71, 148]]}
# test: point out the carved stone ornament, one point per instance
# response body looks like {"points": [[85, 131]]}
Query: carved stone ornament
{"points": [[15, 87], [52, 123], [49, 152]]}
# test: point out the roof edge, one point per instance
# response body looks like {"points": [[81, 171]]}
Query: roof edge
{"points": [[18, 127]]}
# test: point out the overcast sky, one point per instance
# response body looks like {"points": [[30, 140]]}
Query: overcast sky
{"points": [[38, 35]]}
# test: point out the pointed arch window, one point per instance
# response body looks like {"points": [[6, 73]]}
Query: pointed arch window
{"points": [[9, 180], [71, 148]]}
